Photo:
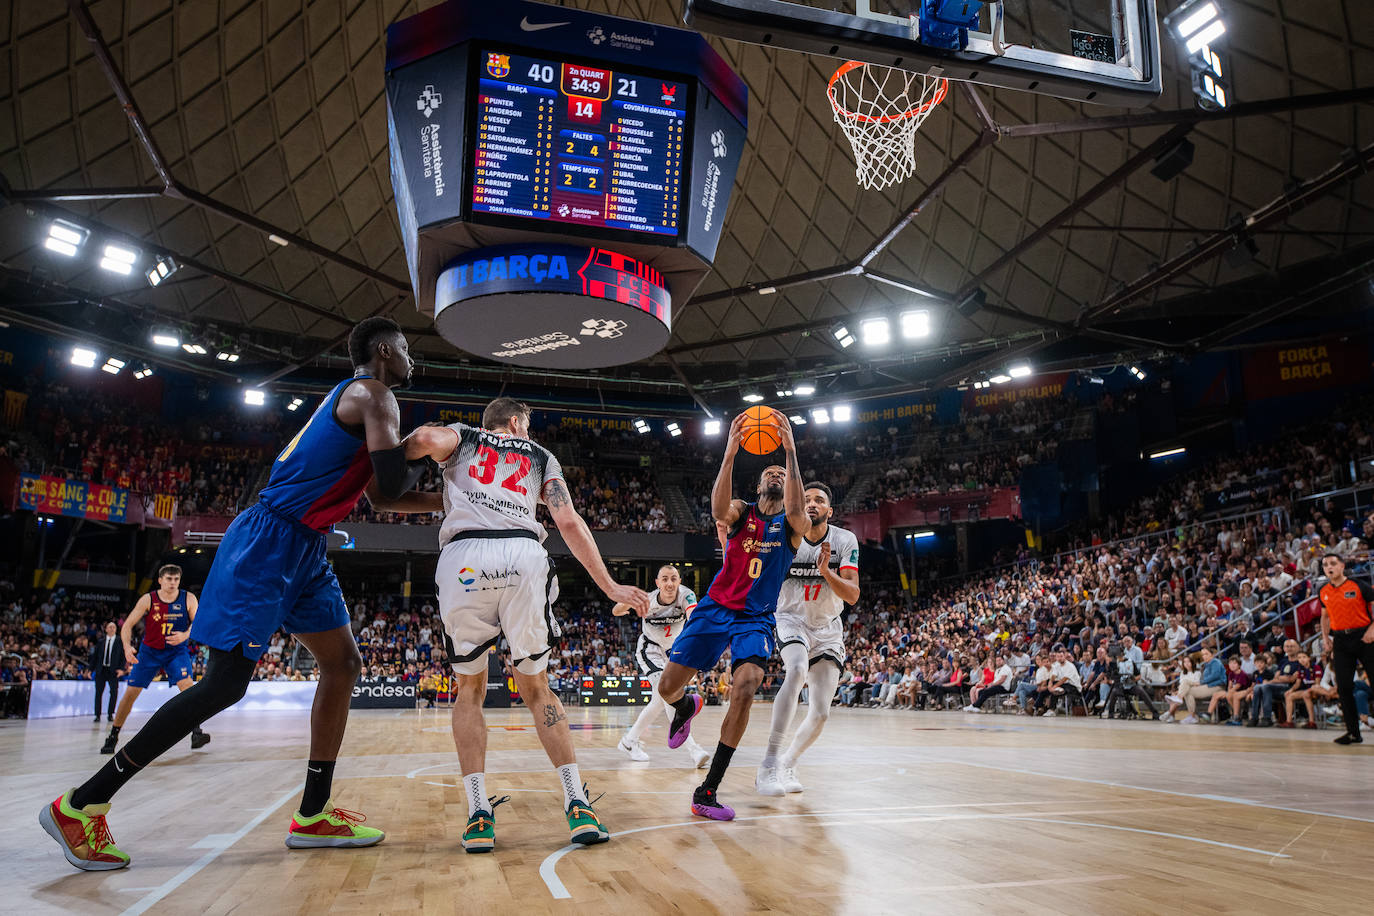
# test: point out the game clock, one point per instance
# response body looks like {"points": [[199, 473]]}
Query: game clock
{"points": [[611, 690]]}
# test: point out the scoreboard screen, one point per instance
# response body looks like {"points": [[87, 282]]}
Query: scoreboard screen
{"points": [[601, 690], [579, 144]]}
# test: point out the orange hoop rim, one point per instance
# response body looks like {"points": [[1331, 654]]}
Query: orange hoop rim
{"points": [[940, 92]]}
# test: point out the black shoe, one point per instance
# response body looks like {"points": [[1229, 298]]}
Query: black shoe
{"points": [[110, 717], [109, 746], [1350, 738], [97, 720], [1251, 723], [1266, 722], [199, 739]]}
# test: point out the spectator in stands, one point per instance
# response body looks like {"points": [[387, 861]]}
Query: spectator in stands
{"points": [[1310, 688], [1000, 685], [1286, 673]]}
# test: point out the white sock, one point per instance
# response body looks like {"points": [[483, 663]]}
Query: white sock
{"points": [[785, 703], [821, 680], [476, 786], [646, 716], [571, 781]]}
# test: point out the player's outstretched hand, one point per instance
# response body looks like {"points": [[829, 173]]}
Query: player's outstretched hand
{"points": [[823, 559], [789, 443], [178, 637], [634, 597], [732, 441]]}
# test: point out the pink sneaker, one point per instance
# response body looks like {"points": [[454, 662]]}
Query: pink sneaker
{"points": [[681, 731]]}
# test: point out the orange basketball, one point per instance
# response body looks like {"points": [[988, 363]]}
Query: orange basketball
{"points": [[761, 430]]}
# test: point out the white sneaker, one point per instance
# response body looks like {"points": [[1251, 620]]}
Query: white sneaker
{"points": [[1191, 720], [1105, 714], [1167, 717], [636, 750], [767, 782], [790, 782], [700, 755], [1049, 714], [972, 708], [1175, 699]]}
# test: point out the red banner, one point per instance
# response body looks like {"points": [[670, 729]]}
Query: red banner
{"points": [[935, 509], [75, 498], [1274, 372]]}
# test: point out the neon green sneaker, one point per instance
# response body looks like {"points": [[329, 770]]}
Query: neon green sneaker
{"points": [[480, 835], [83, 834], [331, 827], [585, 826]]}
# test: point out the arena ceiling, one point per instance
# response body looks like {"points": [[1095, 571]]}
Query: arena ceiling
{"points": [[203, 128]]}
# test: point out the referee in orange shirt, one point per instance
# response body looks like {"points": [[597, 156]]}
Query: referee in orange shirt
{"points": [[1347, 635]]}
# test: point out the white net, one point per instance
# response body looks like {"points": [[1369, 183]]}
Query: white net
{"points": [[880, 109]]}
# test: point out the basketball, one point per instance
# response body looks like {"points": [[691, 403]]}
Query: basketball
{"points": [[761, 430]]}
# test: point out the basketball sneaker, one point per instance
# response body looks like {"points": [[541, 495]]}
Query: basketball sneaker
{"points": [[789, 780], [480, 835], [634, 749], [585, 826], [705, 804], [331, 827], [767, 782], [83, 834], [682, 728], [199, 739], [700, 755]]}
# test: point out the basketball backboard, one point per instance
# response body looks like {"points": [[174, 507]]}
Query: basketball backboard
{"points": [[1101, 51]]}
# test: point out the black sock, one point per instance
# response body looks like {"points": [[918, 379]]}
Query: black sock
{"points": [[684, 707], [319, 779], [719, 762], [110, 778], [114, 731]]}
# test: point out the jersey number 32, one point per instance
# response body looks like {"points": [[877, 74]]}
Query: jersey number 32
{"points": [[483, 468]]}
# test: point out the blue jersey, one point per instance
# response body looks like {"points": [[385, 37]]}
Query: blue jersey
{"points": [[758, 555], [319, 476]]}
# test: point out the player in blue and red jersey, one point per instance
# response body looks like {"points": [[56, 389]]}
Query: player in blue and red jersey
{"points": [[166, 612], [270, 572], [761, 539]]}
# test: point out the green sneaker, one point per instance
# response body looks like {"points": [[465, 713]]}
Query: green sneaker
{"points": [[83, 834], [586, 828], [480, 835]]}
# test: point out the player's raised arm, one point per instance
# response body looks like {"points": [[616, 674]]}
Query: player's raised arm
{"points": [[725, 509], [578, 537], [793, 496]]}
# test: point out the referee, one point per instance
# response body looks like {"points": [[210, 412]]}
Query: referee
{"points": [[1347, 635]]}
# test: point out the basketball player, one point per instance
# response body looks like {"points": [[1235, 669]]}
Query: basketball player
{"points": [[170, 610], [738, 608], [824, 578], [669, 609], [270, 572], [495, 579]]}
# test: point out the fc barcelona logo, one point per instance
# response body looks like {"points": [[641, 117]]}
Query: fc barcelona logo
{"points": [[498, 65]]}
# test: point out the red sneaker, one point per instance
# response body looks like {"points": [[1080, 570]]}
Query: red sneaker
{"points": [[83, 834], [331, 827]]}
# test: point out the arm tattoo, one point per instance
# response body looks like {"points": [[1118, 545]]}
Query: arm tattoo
{"points": [[556, 494], [552, 716]]}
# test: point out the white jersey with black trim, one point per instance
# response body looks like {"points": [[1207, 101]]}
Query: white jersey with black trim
{"points": [[493, 482], [804, 593], [665, 620]]}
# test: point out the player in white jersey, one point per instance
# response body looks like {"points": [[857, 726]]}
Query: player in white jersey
{"points": [[668, 611], [823, 578], [495, 579]]}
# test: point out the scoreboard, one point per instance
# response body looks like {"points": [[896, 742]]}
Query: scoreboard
{"points": [[602, 690], [578, 144]]}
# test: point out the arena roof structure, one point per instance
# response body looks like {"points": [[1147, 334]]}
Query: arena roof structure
{"points": [[247, 142]]}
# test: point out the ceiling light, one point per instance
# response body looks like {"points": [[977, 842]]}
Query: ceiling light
{"points": [[797, 419], [784, 392], [767, 290], [1000, 379], [112, 366], [276, 239], [920, 535], [166, 339], [1020, 371], [710, 428], [843, 336], [915, 324], [254, 397], [160, 271], [1168, 452], [842, 413], [64, 237], [119, 259], [642, 426], [1138, 373], [820, 416], [875, 331], [194, 348], [143, 373], [805, 388], [227, 357], [752, 397], [673, 430], [83, 357], [295, 404]]}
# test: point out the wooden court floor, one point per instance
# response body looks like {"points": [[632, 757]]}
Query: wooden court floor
{"points": [[903, 813]]}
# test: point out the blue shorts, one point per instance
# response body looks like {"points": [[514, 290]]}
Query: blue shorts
{"points": [[270, 573], [175, 660], [711, 628]]}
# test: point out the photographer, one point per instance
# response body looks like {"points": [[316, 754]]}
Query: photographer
{"points": [[1125, 683]]}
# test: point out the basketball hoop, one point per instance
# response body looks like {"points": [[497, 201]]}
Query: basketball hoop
{"points": [[880, 109]]}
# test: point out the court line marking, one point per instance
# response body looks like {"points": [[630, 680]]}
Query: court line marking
{"points": [[1121, 785], [548, 869], [181, 877]]}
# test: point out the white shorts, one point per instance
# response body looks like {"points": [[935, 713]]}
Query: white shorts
{"points": [[822, 643], [494, 587], [650, 656]]}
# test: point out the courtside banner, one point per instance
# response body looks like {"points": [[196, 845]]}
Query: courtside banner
{"points": [[75, 498], [382, 693]]}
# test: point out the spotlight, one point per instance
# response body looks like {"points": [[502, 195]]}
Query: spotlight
{"points": [[875, 332], [1209, 88], [160, 271], [1138, 373], [83, 357], [805, 388], [797, 419], [752, 397], [920, 535], [1020, 371], [226, 356], [673, 430], [64, 237], [295, 404], [710, 428], [1096, 380], [254, 397], [842, 335], [113, 366], [784, 392], [194, 348], [143, 373], [641, 426], [1000, 379], [1167, 453], [1171, 163], [842, 413], [820, 416], [166, 338], [119, 259], [1196, 24], [915, 324]]}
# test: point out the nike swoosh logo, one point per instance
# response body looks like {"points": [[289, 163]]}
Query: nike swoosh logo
{"points": [[527, 26], [253, 645], [313, 770], [117, 766]]}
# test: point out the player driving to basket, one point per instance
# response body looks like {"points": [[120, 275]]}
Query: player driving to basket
{"points": [[738, 608], [495, 579]]}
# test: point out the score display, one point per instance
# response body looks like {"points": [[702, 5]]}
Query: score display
{"points": [[603, 690], [578, 144]]}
